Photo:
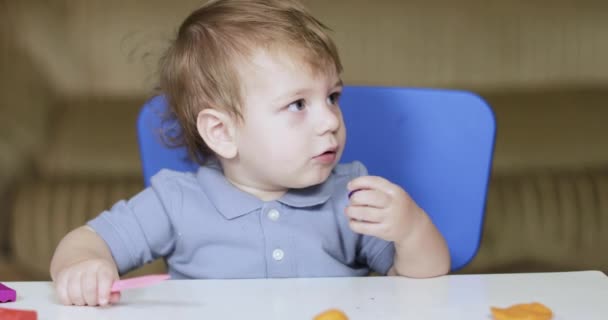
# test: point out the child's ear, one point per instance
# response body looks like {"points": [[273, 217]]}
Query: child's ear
{"points": [[217, 130]]}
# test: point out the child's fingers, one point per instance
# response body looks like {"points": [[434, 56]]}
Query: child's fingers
{"points": [[365, 214], [89, 287], [114, 297], [370, 198], [61, 286], [104, 286], [74, 290], [368, 182], [367, 228]]}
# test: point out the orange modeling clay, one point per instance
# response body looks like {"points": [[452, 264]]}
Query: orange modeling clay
{"points": [[524, 311], [332, 314], [15, 314]]}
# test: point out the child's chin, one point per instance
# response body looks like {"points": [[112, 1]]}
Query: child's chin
{"points": [[314, 180], [307, 179]]}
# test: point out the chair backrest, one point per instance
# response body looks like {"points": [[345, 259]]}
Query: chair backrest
{"points": [[436, 144]]}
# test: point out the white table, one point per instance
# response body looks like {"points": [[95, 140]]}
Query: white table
{"points": [[571, 295]]}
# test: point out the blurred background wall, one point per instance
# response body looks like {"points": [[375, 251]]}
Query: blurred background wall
{"points": [[73, 75]]}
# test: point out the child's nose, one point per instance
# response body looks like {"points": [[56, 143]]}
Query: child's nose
{"points": [[330, 119]]}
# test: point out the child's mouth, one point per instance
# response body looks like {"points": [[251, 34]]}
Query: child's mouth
{"points": [[327, 157]]}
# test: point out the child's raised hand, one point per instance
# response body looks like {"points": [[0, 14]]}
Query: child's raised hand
{"points": [[87, 282], [382, 209]]}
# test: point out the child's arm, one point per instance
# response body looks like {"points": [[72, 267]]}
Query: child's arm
{"points": [[423, 253], [382, 209], [83, 269]]}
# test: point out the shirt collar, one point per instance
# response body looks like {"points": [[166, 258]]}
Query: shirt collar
{"points": [[308, 197], [232, 202]]}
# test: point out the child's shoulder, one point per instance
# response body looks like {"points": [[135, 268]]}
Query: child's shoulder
{"points": [[168, 174], [172, 177], [172, 186]]}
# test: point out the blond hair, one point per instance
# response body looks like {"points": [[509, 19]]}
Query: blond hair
{"points": [[199, 69]]}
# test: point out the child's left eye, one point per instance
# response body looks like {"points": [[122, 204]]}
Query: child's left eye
{"points": [[296, 106], [334, 98]]}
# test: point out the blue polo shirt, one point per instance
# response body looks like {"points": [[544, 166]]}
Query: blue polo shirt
{"points": [[205, 227]]}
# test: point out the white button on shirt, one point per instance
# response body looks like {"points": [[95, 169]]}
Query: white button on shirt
{"points": [[278, 254], [273, 214]]}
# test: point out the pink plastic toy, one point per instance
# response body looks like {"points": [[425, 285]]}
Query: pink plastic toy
{"points": [[7, 294], [138, 282]]}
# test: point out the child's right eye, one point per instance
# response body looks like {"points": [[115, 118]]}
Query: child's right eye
{"points": [[296, 106]]}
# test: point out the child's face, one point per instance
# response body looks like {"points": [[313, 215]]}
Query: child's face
{"points": [[293, 134]]}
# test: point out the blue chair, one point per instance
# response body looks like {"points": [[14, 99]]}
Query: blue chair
{"points": [[436, 144]]}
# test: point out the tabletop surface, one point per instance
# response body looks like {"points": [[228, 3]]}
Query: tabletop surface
{"points": [[571, 295]]}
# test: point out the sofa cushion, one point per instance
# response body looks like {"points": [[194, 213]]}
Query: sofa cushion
{"points": [[545, 221], [47, 209], [551, 128], [93, 138]]}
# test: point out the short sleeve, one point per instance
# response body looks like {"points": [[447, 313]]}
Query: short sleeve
{"points": [[139, 230]]}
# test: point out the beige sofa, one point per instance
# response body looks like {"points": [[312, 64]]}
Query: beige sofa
{"points": [[74, 75]]}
